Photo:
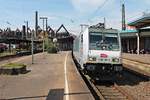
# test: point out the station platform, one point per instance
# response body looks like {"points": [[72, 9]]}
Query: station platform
{"points": [[139, 63], [51, 77]]}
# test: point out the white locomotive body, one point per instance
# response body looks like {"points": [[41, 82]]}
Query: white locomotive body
{"points": [[98, 51]]}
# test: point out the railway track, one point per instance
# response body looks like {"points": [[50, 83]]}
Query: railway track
{"points": [[106, 91], [113, 92]]}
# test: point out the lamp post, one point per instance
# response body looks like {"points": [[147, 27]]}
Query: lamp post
{"points": [[9, 42]]}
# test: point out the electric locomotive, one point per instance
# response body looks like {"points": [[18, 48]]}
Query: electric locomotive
{"points": [[98, 52]]}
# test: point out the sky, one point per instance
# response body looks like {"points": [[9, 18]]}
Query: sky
{"points": [[71, 13]]}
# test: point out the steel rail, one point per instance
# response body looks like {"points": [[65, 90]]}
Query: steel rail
{"points": [[129, 97]]}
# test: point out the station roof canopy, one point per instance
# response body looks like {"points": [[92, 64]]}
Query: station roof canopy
{"points": [[142, 22], [128, 31]]}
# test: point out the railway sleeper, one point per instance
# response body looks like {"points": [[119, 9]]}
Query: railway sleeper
{"points": [[112, 94], [115, 97], [108, 89]]}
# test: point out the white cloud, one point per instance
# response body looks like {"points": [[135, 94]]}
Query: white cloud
{"points": [[86, 5], [52, 17], [143, 1], [111, 10]]}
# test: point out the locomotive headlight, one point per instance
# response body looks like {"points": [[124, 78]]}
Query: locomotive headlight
{"points": [[92, 58], [115, 60]]}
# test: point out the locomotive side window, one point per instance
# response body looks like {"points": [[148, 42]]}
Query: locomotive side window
{"points": [[82, 38]]}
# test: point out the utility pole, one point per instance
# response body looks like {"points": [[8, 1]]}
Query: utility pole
{"points": [[47, 33], [32, 46], [123, 17], [43, 19], [104, 22], [26, 29], [36, 24], [46, 24]]}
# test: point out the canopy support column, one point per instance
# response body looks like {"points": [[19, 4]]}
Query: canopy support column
{"points": [[128, 46], [138, 43]]}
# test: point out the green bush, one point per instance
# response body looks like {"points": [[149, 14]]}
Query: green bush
{"points": [[51, 48], [13, 65]]}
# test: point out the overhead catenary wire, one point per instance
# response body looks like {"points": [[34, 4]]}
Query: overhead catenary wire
{"points": [[100, 7], [97, 10]]}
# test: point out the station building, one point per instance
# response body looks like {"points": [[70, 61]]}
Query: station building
{"points": [[64, 39], [137, 40]]}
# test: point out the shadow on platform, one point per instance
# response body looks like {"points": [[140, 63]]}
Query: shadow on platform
{"points": [[19, 98], [78, 93], [54, 94]]}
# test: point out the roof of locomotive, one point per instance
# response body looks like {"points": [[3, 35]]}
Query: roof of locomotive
{"points": [[91, 29]]}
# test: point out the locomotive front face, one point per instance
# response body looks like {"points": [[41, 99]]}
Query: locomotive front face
{"points": [[104, 62], [104, 54], [104, 57], [104, 47]]}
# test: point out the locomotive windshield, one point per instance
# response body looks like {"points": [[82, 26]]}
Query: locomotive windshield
{"points": [[104, 41]]}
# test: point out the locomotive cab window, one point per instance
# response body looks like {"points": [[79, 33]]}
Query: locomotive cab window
{"points": [[104, 41]]}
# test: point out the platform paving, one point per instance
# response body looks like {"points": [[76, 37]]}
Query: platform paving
{"points": [[138, 63], [142, 58], [46, 80]]}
